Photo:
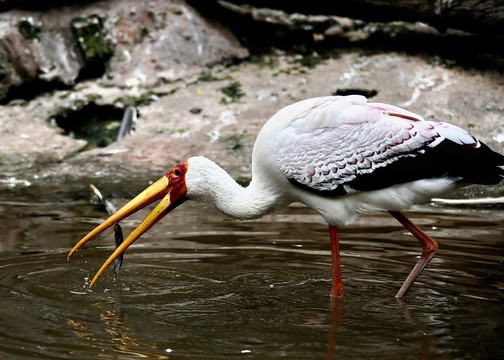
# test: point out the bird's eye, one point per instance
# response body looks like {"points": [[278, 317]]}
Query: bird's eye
{"points": [[176, 172]]}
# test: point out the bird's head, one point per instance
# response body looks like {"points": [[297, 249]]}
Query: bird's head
{"points": [[171, 189]]}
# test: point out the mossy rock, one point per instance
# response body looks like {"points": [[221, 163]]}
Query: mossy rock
{"points": [[91, 38]]}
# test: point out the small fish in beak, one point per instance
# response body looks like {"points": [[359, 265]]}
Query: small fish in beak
{"points": [[118, 236]]}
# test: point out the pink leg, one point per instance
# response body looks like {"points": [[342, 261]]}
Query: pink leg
{"points": [[429, 245], [337, 282]]}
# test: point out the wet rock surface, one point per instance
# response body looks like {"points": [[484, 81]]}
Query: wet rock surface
{"points": [[173, 66], [123, 41]]}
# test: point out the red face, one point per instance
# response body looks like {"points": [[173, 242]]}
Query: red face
{"points": [[176, 180], [177, 173]]}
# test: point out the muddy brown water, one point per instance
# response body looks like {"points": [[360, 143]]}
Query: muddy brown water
{"points": [[202, 286]]}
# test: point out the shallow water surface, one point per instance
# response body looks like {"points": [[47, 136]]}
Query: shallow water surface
{"points": [[200, 285]]}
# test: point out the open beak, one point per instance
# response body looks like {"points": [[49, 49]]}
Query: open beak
{"points": [[172, 194]]}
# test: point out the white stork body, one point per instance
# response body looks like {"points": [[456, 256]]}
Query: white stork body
{"points": [[216, 187], [339, 156], [324, 145]]}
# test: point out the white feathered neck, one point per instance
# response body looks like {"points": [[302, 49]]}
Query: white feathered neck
{"points": [[208, 182]]}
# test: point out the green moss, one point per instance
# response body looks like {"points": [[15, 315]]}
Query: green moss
{"points": [[288, 71], [236, 142], [265, 62], [309, 61], [206, 76], [78, 103], [141, 100], [232, 93], [90, 36], [93, 97]]}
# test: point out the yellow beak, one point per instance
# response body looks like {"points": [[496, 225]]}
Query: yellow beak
{"points": [[172, 194]]}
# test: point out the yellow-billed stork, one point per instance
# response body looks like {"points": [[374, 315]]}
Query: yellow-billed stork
{"points": [[338, 155]]}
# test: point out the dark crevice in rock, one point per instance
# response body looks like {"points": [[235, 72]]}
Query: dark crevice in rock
{"points": [[369, 93], [97, 124], [30, 90]]}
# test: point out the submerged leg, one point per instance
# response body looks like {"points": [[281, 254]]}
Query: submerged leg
{"points": [[429, 249], [337, 282]]}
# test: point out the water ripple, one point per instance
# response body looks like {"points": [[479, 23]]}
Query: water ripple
{"points": [[203, 286]]}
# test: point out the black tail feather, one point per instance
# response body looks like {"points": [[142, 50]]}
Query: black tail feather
{"points": [[486, 170], [448, 159]]}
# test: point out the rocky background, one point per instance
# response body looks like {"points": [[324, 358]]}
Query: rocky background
{"points": [[204, 76]]}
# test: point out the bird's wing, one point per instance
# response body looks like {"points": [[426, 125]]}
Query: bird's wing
{"points": [[365, 147]]}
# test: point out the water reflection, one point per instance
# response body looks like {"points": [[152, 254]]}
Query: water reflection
{"points": [[336, 312], [426, 342], [114, 338], [200, 285]]}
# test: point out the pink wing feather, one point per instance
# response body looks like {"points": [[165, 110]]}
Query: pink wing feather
{"points": [[334, 149]]}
